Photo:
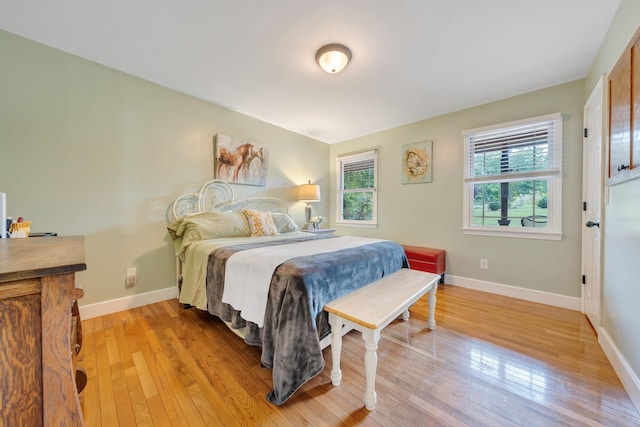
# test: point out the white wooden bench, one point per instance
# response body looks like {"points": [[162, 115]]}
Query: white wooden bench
{"points": [[371, 309]]}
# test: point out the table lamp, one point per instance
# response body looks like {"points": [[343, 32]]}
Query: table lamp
{"points": [[308, 193]]}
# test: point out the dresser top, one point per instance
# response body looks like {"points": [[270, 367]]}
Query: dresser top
{"points": [[40, 256]]}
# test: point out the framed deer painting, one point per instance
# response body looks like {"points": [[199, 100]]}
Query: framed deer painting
{"points": [[240, 162]]}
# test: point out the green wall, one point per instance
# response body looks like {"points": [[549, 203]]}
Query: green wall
{"points": [[431, 214], [87, 150]]}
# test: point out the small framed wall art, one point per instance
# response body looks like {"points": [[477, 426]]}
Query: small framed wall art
{"points": [[417, 162], [240, 162]]}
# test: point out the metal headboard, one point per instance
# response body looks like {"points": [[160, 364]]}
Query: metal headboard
{"points": [[217, 196]]}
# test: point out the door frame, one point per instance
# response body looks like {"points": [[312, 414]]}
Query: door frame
{"points": [[598, 94]]}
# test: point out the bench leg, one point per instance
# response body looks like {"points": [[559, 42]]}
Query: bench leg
{"points": [[432, 307], [336, 348], [371, 338]]}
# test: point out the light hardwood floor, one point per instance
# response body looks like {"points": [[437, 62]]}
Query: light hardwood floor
{"points": [[491, 361]]}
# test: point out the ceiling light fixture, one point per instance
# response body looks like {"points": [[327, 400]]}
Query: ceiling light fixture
{"points": [[333, 57]]}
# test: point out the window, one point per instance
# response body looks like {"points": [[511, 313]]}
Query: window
{"points": [[356, 193], [513, 179]]}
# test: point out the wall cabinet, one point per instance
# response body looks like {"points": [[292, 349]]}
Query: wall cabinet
{"points": [[624, 114], [37, 291]]}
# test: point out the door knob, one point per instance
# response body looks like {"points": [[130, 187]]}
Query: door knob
{"points": [[592, 224]]}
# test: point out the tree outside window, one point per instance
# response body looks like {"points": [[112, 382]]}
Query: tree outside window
{"points": [[356, 194]]}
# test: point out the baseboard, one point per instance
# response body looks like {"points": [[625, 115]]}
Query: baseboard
{"points": [[90, 311], [119, 304], [557, 300], [628, 378]]}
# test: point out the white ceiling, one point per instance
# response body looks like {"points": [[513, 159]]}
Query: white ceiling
{"points": [[412, 59]]}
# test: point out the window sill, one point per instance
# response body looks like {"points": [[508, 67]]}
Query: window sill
{"points": [[519, 234], [354, 225]]}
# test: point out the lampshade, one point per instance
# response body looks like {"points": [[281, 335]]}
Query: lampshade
{"points": [[333, 57], [309, 192]]}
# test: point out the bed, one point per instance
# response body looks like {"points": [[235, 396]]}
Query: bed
{"points": [[247, 262]]}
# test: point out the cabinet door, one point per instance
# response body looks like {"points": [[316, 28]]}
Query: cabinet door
{"points": [[20, 358], [620, 115]]}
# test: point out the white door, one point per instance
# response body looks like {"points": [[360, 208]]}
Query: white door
{"points": [[592, 179]]}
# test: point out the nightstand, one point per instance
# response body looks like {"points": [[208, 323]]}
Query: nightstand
{"points": [[328, 231]]}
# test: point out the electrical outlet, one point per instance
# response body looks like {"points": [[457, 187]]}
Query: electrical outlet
{"points": [[131, 277], [484, 264]]}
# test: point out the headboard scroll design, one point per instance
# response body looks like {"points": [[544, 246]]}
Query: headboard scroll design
{"points": [[217, 196]]}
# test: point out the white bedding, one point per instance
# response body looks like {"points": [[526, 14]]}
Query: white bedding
{"points": [[248, 273]]}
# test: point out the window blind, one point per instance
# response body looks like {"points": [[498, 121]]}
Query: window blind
{"points": [[516, 150], [357, 171]]}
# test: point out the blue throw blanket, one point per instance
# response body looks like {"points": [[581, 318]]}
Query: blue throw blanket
{"points": [[294, 319]]}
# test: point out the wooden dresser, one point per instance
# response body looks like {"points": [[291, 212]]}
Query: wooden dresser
{"points": [[37, 290]]}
